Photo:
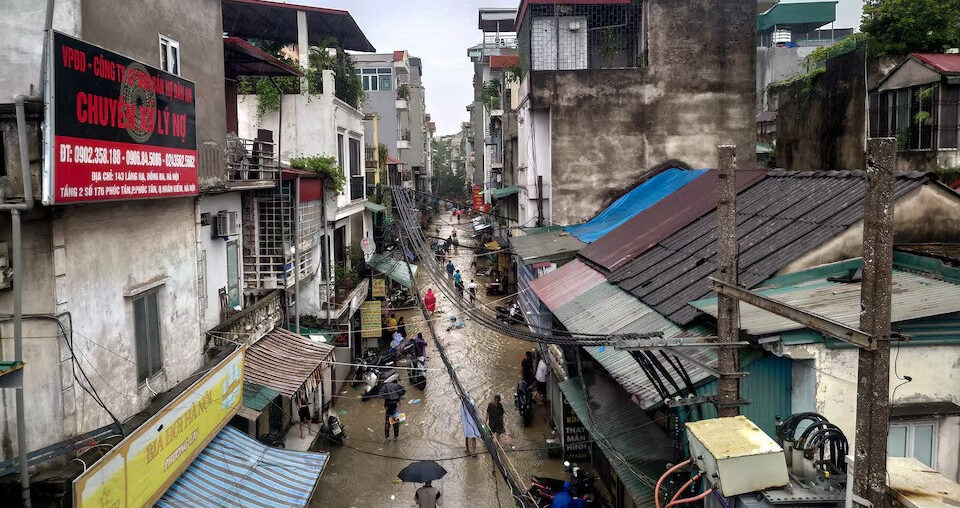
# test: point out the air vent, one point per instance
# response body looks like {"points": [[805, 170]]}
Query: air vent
{"points": [[227, 223]]}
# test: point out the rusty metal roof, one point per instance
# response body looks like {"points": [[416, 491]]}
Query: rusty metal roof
{"points": [[565, 283], [947, 64], [284, 361], [779, 219], [660, 220]]}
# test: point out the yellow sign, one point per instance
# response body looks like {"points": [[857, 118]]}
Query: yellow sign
{"points": [[138, 471], [370, 320], [502, 263], [379, 287]]}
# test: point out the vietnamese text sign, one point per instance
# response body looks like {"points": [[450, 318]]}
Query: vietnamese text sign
{"points": [[379, 287], [370, 322], [140, 468], [477, 198], [576, 440], [121, 129]]}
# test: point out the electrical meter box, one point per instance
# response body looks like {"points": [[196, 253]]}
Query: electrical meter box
{"points": [[736, 456]]}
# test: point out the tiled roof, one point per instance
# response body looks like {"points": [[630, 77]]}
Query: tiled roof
{"points": [[779, 219]]}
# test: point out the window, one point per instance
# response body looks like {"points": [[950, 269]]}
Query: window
{"points": [[376, 79], [233, 275], [169, 55], [913, 439], [146, 320], [915, 116], [340, 150], [356, 174]]}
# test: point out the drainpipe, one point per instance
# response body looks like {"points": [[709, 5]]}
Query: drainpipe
{"points": [[280, 116], [15, 209], [296, 254]]}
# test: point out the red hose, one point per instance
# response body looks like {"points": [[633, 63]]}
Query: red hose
{"points": [[685, 485], [690, 499], [656, 491]]}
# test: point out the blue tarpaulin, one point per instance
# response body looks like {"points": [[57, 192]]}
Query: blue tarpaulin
{"points": [[637, 200]]}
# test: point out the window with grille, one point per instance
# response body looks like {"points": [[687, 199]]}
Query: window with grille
{"points": [[922, 117], [146, 319], [583, 36]]}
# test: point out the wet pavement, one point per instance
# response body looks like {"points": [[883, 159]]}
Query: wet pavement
{"points": [[363, 472]]}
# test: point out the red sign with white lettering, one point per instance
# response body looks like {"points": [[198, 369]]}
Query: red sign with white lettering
{"points": [[121, 129], [477, 198]]}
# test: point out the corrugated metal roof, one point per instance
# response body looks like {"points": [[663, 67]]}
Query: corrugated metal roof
{"points": [[949, 64], [547, 246], [235, 470], [805, 15], [604, 309], [914, 296], [284, 360], [660, 220], [565, 283], [779, 219], [639, 198], [636, 447], [256, 397], [394, 269]]}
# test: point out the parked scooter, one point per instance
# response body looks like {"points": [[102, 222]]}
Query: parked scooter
{"points": [[544, 489], [495, 287], [378, 376], [333, 429], [511, 315], [369, 360], [401, 298], [418, 372], [523, 401]]}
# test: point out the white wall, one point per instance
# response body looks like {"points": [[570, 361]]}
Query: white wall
{"points": [[534, 157], [21, 41], [215, 251], [935, 371]]}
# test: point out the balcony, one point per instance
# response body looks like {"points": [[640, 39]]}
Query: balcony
{"points": [[338, 300], [250, 324], [243, 164], [401, 104]]}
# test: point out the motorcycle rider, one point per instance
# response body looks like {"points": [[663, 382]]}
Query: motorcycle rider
{"points": [[563, 499]]}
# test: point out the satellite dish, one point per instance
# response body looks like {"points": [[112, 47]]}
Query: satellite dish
{"points": [[368, 247]]}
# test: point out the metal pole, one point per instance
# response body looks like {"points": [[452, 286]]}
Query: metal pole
{"points": [[873, 374], [18, 352], [296, 255], [728, 308]]}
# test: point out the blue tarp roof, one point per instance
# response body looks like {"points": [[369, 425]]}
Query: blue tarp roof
{"points": [[235, 470], [637, 200]]}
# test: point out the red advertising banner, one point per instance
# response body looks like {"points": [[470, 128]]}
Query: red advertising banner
{"points": [[120, 129], [477, 198]]}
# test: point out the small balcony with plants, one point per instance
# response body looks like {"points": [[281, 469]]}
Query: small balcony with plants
{"points": [[404, 142], [403, 97]]}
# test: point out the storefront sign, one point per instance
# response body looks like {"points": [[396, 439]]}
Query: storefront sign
{"points": [[477, 198], [120, 128], [379, 287], [140, 468], [370, 322], [576, 440]]}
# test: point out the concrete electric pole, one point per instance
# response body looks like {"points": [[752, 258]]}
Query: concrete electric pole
{"points": [[728, 308]]}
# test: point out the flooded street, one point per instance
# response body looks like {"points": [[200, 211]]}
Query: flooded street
{"points": [[363, 472]]}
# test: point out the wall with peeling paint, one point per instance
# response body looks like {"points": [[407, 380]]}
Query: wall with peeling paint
{"points": [[935, 371]]}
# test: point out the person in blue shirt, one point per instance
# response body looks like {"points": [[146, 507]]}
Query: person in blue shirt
{"points": [[450, 268], [563, 499], [458, 283]]}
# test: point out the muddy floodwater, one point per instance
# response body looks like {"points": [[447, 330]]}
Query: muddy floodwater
{"points": [[364, 472]]}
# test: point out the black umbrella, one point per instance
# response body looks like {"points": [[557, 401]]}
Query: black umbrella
{"points": [[391, 391], [422, 472]]}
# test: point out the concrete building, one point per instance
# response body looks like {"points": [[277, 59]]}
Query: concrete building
{"points": [[607, 94], [395, 93]]}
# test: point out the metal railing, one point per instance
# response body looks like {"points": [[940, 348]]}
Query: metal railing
{"points": [[499, 40], [251, 159]]}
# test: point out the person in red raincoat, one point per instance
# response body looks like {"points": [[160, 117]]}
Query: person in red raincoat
{"points": [[430, 301]]}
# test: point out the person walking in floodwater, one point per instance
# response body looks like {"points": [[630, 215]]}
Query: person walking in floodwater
{"points": [[495, 417], [450, 268], [470, 430], [458, 282], [472, 290], [427, 496], [430, 301]]}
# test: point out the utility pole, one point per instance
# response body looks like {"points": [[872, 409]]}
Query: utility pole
{"points": [[728, 308], [873, 370]]}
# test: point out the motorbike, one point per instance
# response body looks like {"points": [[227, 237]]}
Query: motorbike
{"points": [[511, 315], [378, 376], [333, 429], [402, 298], [418, 372], [495, 287], [523, 401], [544, 489], [370, 360]]}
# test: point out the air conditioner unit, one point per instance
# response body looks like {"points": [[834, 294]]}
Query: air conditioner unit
{"points": [[228, 223]]}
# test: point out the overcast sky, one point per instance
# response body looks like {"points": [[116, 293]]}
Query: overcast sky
{"points": [[440, 31]]}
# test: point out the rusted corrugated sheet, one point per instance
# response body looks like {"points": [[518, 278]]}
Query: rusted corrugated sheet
{"points": [[565, 283], [284, 361], [779, 219], [664, 218]]}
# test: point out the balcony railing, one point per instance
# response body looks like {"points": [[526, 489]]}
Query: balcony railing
{"points": [[501, 40], [251, 160], [251, 323]]}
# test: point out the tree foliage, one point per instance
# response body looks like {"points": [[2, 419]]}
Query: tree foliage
{"points": [[449, 184], [325, 165], [898, 27]]}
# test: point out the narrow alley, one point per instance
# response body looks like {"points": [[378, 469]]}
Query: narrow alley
{"points": [[488, 363]]}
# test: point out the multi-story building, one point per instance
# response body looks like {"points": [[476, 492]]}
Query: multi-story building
{"points": [[130, 239], [395, 93], [610, 91]]}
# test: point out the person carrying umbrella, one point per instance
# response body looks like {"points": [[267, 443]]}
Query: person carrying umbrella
{"points": [[424, 471], [391, 394]]}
